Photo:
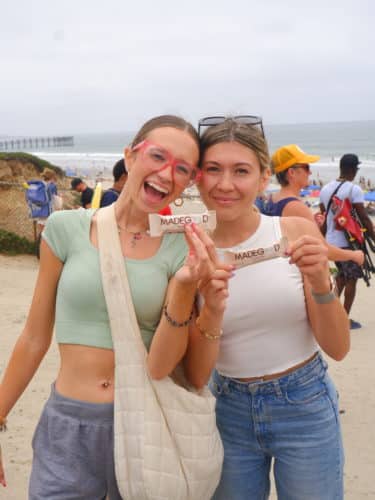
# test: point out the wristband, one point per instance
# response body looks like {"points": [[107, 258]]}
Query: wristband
{"points": [[324, 298]]}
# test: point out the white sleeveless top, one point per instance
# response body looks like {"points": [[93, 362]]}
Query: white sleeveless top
{"points": [[265, 327]]}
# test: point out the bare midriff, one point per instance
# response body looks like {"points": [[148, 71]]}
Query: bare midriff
{"points": [[86, 373], [279, 374]]}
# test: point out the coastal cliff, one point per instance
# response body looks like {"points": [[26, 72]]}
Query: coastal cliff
{"points": [[15, 170]]}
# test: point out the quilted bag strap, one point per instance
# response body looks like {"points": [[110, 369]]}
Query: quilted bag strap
{"points": [[131, 379], [115, 279]]}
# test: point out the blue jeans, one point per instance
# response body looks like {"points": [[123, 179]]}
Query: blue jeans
{"points": [[293, 420]]}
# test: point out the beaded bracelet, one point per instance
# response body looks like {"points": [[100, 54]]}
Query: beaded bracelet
{"points": [[3, 424], [210, 334], [173, 322]]}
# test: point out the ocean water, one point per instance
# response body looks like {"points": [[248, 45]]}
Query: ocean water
{"points": [[94, 154]]}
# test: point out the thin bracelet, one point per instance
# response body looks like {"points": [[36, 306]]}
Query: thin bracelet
{"points": [[3, 424], [209, 334], [173, 322]]}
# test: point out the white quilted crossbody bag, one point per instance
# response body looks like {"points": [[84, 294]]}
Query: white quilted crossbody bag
{"points": [[167, 446]]}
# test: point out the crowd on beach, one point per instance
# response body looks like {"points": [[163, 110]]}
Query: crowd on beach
{"points": [[192, 306]]}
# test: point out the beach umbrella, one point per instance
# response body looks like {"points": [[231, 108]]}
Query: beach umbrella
{"points": [[313, 187], [370, 196], [304, 192]]}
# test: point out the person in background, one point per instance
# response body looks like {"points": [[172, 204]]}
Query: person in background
{"points": [[86, 192], [348, 272], [291, 166], [50, 180], [120, 176], [276, 406]]}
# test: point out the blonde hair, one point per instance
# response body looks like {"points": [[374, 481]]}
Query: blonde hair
{"points": [[231, 130], [48, 174]]}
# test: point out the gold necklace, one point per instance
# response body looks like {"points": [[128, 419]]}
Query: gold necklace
{"points": [[136, 235]]}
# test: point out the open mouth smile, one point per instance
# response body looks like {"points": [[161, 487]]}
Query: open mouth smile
{"points": [[155, 191]]}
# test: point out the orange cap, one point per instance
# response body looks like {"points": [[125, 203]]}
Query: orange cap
{"points": [[290, 155]]}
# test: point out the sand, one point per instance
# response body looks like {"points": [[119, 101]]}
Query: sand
{"points": [[354, 377]]}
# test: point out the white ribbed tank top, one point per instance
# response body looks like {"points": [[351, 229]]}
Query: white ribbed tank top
{"points": [[265, 327]]}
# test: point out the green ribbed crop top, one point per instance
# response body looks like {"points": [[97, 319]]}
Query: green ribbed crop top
{"points": [[81, 312]]}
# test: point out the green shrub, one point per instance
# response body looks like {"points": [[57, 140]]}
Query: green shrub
{"points": [[35, 160], [12, 244]]}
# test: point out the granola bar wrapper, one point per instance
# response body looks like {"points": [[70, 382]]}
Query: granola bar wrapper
{"points": [[160, 224], [247, 257]]}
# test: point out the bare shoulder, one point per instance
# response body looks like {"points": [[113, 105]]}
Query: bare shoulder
{"points": [[298, 209], [295, 227]]}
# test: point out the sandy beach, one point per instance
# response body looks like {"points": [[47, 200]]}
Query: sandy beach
{"points": [[354, 377]]}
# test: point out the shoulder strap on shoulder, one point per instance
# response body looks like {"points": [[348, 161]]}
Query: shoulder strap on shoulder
{"points": [[332, 195], [115, 282]]}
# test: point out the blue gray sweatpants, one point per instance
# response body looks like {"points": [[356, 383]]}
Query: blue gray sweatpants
{"points": [[73, 451]]}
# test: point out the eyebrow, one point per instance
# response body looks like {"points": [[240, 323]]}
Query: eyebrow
{"points": [[166, 150], [240, 163]]}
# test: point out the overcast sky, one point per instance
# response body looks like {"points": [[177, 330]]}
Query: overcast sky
{"points": [[96, 66]]}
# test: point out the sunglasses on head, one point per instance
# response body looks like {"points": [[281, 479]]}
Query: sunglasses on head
{"points": [[251, 120]]}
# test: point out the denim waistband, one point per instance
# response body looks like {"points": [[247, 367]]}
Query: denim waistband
{"points": [[83, 410], [316, 367]]}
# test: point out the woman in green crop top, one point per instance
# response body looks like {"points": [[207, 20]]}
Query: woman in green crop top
{"points": [[73, 443]]}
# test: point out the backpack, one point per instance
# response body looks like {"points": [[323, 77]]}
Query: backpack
{"points": [[346, 219], [39, 199]]}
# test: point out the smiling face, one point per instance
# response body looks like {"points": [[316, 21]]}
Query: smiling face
{"points": [[231, 179], [152, 189]]}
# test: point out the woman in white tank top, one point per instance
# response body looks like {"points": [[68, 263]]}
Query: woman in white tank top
{"points": [[275, 401]]}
